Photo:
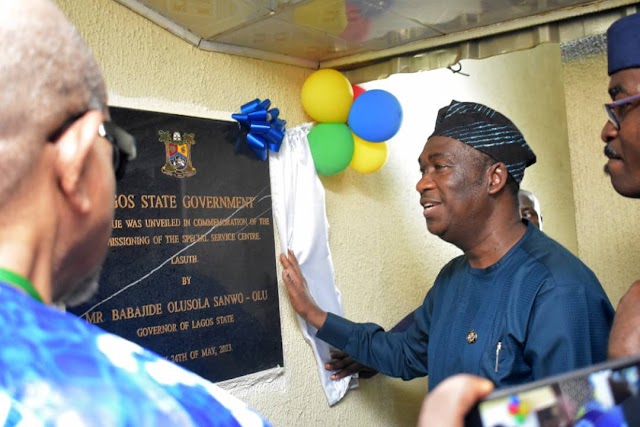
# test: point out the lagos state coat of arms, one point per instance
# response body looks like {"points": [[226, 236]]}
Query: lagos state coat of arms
{"points": [[177, 153]]}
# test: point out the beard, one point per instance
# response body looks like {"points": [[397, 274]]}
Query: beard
{"points": [[81, 291]]}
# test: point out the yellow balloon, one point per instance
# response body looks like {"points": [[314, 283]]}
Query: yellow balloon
{"points": [[368, 157], [327, 96]]}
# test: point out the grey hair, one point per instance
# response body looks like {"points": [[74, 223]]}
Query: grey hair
{"points": [[48, 73]]}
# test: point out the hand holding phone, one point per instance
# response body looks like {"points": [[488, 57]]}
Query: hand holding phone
{"points": [[447, 404], [606, 394]]}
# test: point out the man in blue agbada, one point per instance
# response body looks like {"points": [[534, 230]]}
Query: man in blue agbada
{"points": [[61, 155], [515, 307]]}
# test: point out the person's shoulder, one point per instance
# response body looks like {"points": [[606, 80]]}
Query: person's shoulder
{"points": [[547, 250], [545, 254], [88, 372], [455, 264]]}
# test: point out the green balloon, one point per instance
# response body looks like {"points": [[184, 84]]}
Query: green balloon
{"points": [[331, 147]]}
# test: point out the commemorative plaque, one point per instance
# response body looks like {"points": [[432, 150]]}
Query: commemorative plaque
{"points": [[190, 272]]}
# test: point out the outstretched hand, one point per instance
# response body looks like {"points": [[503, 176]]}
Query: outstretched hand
{"points": [[450, 401], [345, 366], [299, 296]]}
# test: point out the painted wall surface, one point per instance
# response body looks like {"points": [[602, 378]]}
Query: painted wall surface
{"points": [[385, 260], [608, 224]]}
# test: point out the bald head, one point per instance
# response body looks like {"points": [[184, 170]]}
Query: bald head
{"points": [[530, 207], [47, 74]]}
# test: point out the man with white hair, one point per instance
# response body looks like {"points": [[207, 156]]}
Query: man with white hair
{"points": [[62, 156]]}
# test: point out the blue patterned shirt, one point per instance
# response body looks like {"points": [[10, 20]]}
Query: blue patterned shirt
{"points": [[57, 369]]}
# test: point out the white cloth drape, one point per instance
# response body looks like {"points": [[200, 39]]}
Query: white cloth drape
{"points": [[299, 211]]}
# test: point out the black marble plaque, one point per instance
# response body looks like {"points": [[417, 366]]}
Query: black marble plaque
{"points": [[190, 272]]}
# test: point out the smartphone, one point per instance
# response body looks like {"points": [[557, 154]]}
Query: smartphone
{"points": [[605, 394]]}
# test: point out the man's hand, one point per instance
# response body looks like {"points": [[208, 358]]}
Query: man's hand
{"points": [[624, 339], [299, 296], [450, 401], [345, 366]]}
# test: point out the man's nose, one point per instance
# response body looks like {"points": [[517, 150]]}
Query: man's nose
{"points": [[424, 183], [609, 132]]}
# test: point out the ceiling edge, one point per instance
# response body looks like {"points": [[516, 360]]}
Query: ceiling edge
{"points": [[358, 60], [210, 46]]}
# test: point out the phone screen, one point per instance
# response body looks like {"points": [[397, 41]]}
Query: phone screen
{"points": [[604, 395]]}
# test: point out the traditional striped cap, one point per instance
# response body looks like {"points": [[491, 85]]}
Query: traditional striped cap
{"points": [[623, 44], [487, 131]]}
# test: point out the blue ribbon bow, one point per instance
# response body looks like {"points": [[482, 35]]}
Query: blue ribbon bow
{"points": [[265, 129]]}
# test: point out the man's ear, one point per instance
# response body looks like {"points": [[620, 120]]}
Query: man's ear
{"points": [[498, 176], [75, 147]]}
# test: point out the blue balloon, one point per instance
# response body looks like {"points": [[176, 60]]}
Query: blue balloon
{"points": [[375, 115]]}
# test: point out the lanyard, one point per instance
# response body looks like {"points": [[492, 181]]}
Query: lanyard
{"points": [[19, 282]]}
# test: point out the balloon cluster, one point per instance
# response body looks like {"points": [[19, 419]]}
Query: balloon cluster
{"points": [[354, 123], [264, 130], [518, 409]]}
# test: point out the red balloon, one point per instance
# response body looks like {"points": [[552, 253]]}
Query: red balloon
{"points": [[513, 408], [357, 91]]}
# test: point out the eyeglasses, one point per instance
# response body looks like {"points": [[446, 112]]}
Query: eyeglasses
{"points": [[615, 111], [123, 143]]}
